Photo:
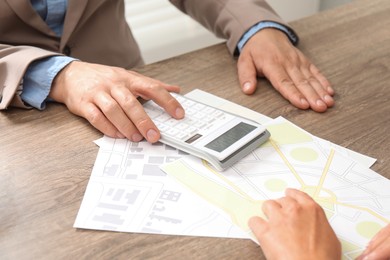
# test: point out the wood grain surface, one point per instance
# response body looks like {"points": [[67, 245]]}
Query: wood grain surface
{"points": [[46, 157]]}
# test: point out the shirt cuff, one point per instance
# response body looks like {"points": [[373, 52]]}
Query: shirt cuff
{"points": [[38, 79], [266, 24]]}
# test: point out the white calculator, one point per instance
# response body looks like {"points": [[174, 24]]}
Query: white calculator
{"points": [[219, 137]]}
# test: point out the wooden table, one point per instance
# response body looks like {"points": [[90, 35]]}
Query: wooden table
{"points": [[46, 157]]}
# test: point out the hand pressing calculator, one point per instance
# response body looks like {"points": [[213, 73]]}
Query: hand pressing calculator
{"points": [[219, 137]]}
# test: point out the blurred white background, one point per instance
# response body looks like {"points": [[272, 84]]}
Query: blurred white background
{"points": [[162, 31]]}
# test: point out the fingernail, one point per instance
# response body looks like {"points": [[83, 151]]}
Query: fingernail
{"points": [[320, 103], [328, 98], [179, 112], [136, 137], [246, 87], [304, 102], [120, 135], [152, 135]]}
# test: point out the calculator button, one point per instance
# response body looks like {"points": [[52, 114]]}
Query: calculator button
{"points": [[171, 122], [188, 103], [161, 127], [182, 135], [217, 113], [200, 125], [208, 110], [209, 119], [181, 126], [189, 121], [179, 98], [191, 130], [190, 111], [199, 106], [153, 114], [164, 117], [193, 138], [199, 115], [172, 132]]}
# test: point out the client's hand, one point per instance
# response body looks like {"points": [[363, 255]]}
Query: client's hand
{"points": [[296, 228], [379, 246]]}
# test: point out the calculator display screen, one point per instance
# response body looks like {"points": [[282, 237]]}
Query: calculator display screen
{"points": [[230, 137]]}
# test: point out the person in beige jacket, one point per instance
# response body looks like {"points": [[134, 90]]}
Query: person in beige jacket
{"points": [[87, 49]]}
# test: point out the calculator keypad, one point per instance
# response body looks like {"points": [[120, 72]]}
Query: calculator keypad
{"points": [[199, 118]]}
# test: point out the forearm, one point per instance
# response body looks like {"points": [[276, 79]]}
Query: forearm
{"points": [[39, 77], [229, 19], [264, 25]]}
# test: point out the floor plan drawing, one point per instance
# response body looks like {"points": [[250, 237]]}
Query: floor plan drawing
{"points": [[129, 192]]}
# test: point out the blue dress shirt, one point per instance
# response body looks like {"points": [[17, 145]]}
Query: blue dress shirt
{"points": [[262, 25], [40, 74]]}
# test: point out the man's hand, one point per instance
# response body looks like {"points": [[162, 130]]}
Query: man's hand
{"points": [[269, 53], [379, 246], [107, 98], [296, 228]]}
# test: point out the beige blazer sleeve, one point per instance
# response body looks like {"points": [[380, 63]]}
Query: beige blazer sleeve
{"points": [[96, 31], [229, 19], [14, 61]]}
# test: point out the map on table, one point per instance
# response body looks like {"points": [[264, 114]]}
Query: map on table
{"points": [[129, 192], [356, 200]]}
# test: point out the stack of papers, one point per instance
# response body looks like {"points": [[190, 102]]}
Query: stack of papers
{"points": [[153, 188]]}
